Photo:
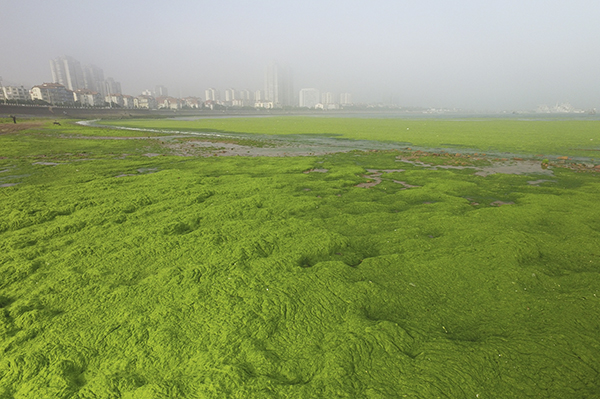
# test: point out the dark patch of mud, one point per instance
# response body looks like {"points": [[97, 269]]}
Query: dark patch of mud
{"points": [[501, 203], [11, 128]]}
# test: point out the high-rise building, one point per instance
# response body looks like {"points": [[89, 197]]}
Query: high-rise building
{"points": [[279, 86], [67, 71], [258, 95], [230, 95], [345, 99], [327, 98], [309, 98], [93, 79], [161, 91], [112, 87], [245, 95], [212, 94]]}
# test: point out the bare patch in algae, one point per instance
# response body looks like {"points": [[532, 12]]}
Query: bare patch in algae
{"points": [[500, 203], [375, 175]]}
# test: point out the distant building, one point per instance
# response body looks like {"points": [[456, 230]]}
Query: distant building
{"points": [[230, 95], [128, 101], [112, 87], [212, 94], [168, 102], [327, 98], [145, 101], [308, 98], [191, 102], [88, 98], [279, 86], [258, 95], [245, 95], [161, 91], [67, 71], [115, 99], [264, 104], [18, 93], [93, 79], [345, 99], [53, 93]]}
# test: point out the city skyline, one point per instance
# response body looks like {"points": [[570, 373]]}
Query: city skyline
{"points": [[462, 54]]}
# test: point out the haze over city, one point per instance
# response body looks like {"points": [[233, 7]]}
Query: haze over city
{"points": [[460, 54]]}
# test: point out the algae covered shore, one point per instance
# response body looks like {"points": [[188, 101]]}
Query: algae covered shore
{"points": [[139, 264]]}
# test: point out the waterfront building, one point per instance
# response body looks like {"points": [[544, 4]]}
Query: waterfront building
{"points": [[53, 93], [192, 102], [168, 102], [115, 99], [144, 101], [88, 98], [19, 93]]}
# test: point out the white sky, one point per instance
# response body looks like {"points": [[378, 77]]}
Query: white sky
{"points": [[466, 53]]}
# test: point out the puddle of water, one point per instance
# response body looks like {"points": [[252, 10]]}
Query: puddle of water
{"points": [[508, 168], [45, 163], [8, 184], [316, 170]]}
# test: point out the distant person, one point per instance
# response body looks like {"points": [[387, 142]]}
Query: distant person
{"points": [[14, 118]]}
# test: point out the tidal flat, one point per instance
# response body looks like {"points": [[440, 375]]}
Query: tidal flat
{"points": [[138, 264]]}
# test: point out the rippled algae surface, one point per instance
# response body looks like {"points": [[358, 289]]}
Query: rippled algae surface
{"points": [[239, 277]]}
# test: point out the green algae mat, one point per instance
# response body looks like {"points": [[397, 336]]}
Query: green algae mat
{"points": [[567, 137], [348, 275]]}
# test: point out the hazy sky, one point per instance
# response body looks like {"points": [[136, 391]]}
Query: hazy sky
{"points": [[466, 53]]}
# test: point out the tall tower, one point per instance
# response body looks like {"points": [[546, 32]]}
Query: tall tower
{"points": [[67, 71], [161, 91], [93, 78], [212, 94], [278, 85]]}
